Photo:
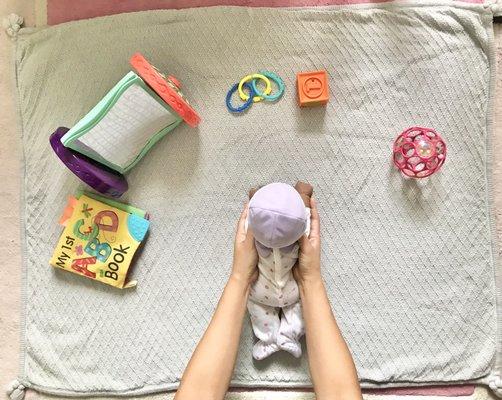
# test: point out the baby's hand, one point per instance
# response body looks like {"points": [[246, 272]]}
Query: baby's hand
{"points": [[244, 268], [309, 258]]}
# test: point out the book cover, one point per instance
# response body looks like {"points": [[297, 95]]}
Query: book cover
{"points": [[99, 240]]}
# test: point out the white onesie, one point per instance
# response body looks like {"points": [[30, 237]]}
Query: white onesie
{"points": [[274, 301]]}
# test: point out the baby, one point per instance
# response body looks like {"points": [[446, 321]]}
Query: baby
{"points": [[278, 216]]}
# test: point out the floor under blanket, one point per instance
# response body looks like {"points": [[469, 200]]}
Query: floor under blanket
{"points": [[52, 11]]}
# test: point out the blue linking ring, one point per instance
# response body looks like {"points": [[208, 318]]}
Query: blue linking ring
{"points": [[277, 79], [247, 104]]}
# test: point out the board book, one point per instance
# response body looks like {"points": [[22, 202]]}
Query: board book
{"points": [[99, 239]]}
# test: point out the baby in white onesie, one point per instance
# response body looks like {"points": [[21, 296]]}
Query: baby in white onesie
{"points": [[278, 216]]}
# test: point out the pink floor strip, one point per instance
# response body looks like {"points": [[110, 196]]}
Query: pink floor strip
{"points": [[446, 391], [58, 11], [451, 391]]}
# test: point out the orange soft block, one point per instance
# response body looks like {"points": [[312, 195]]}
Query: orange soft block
{"points": [[312, 88]]}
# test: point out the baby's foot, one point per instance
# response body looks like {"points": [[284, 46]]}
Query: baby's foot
{"points": [[291, 346], [262, 350]]}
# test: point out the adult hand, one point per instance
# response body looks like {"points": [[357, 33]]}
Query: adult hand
{"points": [[210, 369], [308, 267], [244, 268], [332, 369]]}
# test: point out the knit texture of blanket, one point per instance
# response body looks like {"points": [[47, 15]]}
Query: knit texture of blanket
{"points": [[409, 265]]}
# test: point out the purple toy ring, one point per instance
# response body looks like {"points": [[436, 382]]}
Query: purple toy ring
{"points": [[98, 176]]}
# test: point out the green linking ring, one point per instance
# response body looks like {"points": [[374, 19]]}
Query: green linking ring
{"points": [[279, 82]]}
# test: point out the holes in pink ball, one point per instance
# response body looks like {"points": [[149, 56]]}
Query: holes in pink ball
{"points": [[399, 142], [431, 134], [423, 174], [399, 158], [419, 167], [413, 161], [408, 149], [412, 134], [408, 172], [432, 163], [440, 148]]}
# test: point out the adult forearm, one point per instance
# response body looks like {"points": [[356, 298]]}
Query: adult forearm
{"points": [[210, 369], [331, 366]]}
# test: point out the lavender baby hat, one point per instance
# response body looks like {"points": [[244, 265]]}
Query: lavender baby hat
{"points": [[277, 215]]}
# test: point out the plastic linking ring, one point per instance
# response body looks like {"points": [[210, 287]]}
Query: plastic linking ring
{"points": [[246, 105], [253, 77], [254, 95], [265, 95]]}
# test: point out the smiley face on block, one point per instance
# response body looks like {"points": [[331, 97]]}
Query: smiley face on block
{"points": [[312, 88]]}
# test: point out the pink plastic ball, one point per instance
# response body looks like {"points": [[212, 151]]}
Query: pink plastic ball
{"points": [[419, 152]]}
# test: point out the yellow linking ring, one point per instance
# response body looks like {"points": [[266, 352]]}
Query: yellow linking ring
{"points": [[268, 87]]}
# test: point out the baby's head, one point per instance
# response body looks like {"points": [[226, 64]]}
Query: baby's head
{"points": [[277, 215]]}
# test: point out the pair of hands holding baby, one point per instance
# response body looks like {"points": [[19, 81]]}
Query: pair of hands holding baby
{"points": [[332, 369], [308, 268]]}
